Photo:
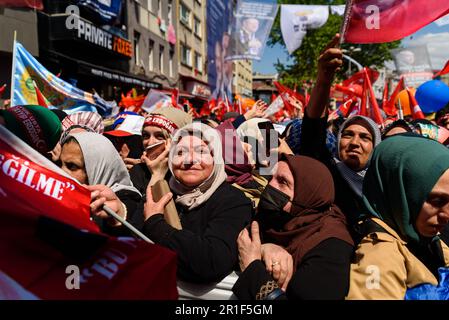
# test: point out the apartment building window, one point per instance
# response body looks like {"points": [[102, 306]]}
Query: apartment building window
{"points": [[198, 62], [161, 58], [171, 64], [151, 55], [186, 55], [136, 47], [170, 11], [159, 9], [150, 5], [184, 14], [197, 27]]}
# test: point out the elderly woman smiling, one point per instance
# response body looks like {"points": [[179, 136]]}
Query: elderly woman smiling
{"points": [[211, 211]]}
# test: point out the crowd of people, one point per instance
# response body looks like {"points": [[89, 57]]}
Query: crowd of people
{"points": [[344, 209]]}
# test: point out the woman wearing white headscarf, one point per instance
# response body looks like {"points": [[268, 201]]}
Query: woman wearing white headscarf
{"points": [[92, 159], [211, 211]]}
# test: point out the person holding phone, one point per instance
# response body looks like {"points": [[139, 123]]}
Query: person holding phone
{"points": [[211, 211], [158, 129], [262, 137]]}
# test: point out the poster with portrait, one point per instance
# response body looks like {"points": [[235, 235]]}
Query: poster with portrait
{"points": [[219, 18], [413, 64], [251, 27]]}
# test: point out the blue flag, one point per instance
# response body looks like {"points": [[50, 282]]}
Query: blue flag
{"points": [[58, 93]]}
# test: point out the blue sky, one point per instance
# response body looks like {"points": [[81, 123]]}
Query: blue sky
{"points": [[436, 37]]}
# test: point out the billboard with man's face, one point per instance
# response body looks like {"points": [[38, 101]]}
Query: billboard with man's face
{"points": [[251, 27], [413, 64]]}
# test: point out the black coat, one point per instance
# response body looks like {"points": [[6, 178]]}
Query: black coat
{"points": [[141, 176], [313, 144], [323, 274], [207, 244]]}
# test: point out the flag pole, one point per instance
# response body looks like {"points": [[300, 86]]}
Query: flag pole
{"points": [[345, 22], [400, 112], [227, 104], [126, 224], [13, 69], [240, 106]]}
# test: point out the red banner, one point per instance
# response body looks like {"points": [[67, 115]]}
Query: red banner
{"points": [[34, 4], [377, 21], [46, 236], [32, 190], [56, 261]]}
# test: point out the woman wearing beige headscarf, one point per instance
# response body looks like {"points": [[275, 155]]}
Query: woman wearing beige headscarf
{"points": [[211, 211]]}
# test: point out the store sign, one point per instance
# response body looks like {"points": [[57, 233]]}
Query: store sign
{"points": [[86, 31]]}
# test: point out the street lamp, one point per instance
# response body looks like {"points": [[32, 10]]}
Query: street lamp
{"points": [[351, 50]]}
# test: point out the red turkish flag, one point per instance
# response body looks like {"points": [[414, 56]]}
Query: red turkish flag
{"points": [[375, 111], [377, 21], [359, 77], [389, 107], [443, 71], [416, 110]]}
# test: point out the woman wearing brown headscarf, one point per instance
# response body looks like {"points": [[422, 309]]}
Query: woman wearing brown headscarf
{"points": [[297, 212]]}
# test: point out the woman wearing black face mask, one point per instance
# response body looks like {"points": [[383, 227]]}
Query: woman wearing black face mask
{"points": [[297, 212]]}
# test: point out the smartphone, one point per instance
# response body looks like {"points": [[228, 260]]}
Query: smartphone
{"points": [[269, 134], [159, 189], [154, 150]]}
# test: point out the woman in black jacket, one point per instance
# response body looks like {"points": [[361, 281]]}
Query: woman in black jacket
{"points": [[297, 212], [211, 211]]}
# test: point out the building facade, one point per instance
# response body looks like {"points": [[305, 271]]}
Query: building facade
{"points": [[263, 86], [24, 21], [192, 50], [92, 54], [243, 78], [152, 31]]}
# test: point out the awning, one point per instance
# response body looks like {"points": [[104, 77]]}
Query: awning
{"points": [[109, 74], [114, 75]]}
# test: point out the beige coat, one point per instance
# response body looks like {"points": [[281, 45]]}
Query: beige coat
{"points": [[384, 268]]}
